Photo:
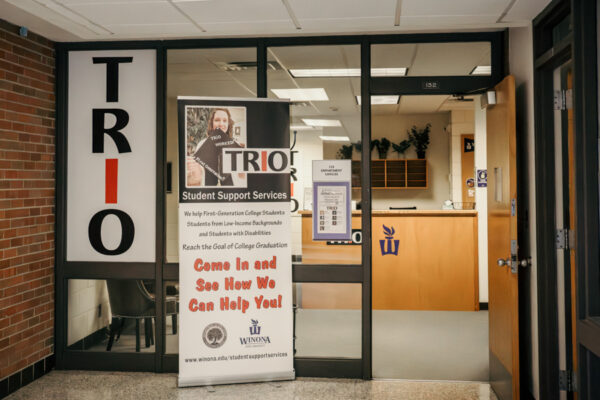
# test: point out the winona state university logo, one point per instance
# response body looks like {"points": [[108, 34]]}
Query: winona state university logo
{"points": [[255, 340], [392, 245]]}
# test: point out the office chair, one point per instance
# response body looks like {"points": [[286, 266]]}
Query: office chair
{"points": [[129, 298]]}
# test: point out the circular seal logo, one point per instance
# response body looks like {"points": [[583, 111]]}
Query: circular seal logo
{"points": [[214, 335]]}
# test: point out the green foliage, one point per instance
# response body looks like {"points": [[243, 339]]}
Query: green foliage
{"points": [[382, 145], [401, 147], [358, 146], [419, 138], [345, 152], [374, 143]]}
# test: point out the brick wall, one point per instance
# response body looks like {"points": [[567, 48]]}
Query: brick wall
{"points": [[27, 157]]}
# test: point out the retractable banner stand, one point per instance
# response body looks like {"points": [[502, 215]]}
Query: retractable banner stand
{"points": [[235, 269]]}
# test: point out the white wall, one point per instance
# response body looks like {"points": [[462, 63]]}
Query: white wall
{"points": [[309, 148], [481, 198], [521, 67], [84, 298], [462, 122], [394, 127]]}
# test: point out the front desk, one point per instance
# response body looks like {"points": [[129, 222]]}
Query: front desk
{"points": [[421, 260]]}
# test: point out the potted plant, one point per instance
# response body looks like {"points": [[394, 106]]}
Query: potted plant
{"points": [[419, 139], [401, 147], [345, 152], [382, 145]]}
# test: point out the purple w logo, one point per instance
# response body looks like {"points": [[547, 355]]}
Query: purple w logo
{"points": [[392, 245]]}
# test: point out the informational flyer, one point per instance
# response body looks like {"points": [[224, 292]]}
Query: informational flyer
{"points": [[234, 242], [331, 200]]}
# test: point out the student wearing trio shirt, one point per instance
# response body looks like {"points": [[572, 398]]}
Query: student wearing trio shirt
{"points": [[205, 167]]}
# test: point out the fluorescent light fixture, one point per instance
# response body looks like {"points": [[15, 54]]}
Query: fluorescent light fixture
{"points": [[301, 128], [376, 100], [321, 122], [325, 72], [344, 72], [334, 138], [312, 94], [482, 70], [379, 72]]}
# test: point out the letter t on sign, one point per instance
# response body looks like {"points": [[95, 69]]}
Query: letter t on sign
{"points": [[112, 75]]}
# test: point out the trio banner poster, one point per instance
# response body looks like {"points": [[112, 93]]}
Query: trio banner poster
{"points": [[235, 269]]}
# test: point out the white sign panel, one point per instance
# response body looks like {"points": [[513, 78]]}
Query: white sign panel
{"points": [[331, 199], [111, 162], [235, 269]]}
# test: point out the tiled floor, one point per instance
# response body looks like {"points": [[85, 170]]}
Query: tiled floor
{"points": [[86, 385]]}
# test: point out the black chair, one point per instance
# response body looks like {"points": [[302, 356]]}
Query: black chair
{"points": [[130, 299]]}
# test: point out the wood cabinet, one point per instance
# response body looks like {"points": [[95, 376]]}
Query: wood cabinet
{"points": [[394, 174]]}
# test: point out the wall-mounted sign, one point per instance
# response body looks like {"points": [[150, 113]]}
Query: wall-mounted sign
{"points": [[235, 268], [482, 178], [111, 156], [469, 145], [431, 85], [331, 200]]}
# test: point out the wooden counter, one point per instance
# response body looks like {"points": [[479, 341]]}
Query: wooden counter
{"points": [[435, 266]]}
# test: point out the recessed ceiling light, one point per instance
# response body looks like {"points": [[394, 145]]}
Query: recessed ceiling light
{"points": [[482, 70], [375, 100], [301, 128], [344, 72], [312, 94], [322, 122], [334, 138]]}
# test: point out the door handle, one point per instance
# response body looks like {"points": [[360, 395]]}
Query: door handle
{"points": [[502, 262], [526, 262]]}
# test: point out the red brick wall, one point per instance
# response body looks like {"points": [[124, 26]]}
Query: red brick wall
{"points": [[27, 156]]}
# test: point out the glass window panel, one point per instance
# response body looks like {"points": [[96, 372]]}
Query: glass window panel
{"points": [[172, 318], [229, 72], [328, 319], [432, 59], [323, 83], [117, 315]]}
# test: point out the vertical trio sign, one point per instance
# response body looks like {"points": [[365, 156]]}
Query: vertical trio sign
{"points": [[111, 162]]}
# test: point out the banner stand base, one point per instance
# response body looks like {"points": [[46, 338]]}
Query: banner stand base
{"points": [[227, 380]]}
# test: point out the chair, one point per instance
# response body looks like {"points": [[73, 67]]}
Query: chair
{"points": [[130, 299]]}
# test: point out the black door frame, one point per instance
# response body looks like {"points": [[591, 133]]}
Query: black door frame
{"points": [[581, 46], [161, 271]]}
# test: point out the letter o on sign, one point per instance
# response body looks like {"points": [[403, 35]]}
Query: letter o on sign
{"points": [[95, 232]]}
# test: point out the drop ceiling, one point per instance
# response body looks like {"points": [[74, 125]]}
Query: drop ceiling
{"points": [[86, 20]]}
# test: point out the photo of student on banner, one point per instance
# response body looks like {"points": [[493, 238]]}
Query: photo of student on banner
{"points": [[209, 130]]}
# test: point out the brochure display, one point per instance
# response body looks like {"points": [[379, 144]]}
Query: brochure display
{"points": [[235, 269]]}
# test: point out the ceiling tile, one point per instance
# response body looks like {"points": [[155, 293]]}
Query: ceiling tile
{"points": [[235, 11], [525, 10], [153, 29], [339, 9], [249, 28], [436, 23], [130, 13], [107, 2], [348, 25], [454, 7], [421, 104]]}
